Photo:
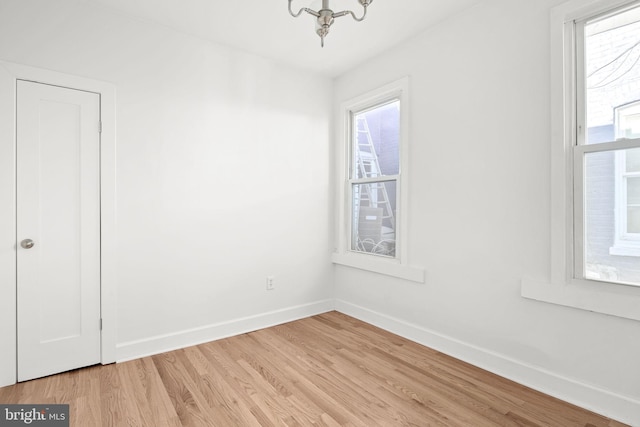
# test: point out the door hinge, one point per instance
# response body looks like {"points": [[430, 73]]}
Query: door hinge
{"points": [[100, 126], [100, 324]]}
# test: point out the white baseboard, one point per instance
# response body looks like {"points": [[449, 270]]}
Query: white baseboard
{"points": [[612, 405], [163, 343]]}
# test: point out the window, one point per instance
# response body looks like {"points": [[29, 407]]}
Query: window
{"points": [[594, 88], [627, 121], [627, 170], [627, 202], [372, 182], [606, 159], [374, 174]]}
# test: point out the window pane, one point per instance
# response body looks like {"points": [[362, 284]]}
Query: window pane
{"points": [[633, 160], [633, 191], [633, 219], [375, 141], [612, 62], [600, 216], [633, 205], [373, 221]]}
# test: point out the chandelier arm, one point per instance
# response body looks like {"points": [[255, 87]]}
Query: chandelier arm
{"points": [[348, 12], [304, 9]]}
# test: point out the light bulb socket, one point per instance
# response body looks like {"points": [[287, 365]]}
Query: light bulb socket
{"points": [[324, 21]]}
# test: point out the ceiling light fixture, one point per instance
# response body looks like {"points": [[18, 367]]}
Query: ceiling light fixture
{"points": [[326, 16]]}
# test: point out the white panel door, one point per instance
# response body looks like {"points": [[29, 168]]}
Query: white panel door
{"points": [[58, 234]]}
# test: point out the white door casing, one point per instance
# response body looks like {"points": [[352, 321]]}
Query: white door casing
{"points": [[10, 74], [58, 209]]}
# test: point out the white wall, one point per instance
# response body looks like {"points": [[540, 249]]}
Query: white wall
{"points": [[223, 170], [479, 212], [222, 173]]}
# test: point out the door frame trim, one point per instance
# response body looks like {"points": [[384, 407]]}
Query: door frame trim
{"points": [[10, 73]]}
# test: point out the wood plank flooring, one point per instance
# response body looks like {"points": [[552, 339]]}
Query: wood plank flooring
{"points": [[326, 370]]}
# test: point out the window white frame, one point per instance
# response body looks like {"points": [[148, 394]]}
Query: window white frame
{"points": [[343, 255], [564, 288]]}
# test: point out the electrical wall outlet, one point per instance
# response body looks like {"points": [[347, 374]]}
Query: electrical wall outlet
{"points": [[270, 283]]}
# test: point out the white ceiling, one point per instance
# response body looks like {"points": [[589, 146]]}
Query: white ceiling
{"points": [[264, 27]]}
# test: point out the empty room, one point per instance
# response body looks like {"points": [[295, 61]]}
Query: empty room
{"points": [[320, 213]]}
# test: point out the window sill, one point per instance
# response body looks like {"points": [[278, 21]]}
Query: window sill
{"points": [[375, 264], [600, 297], [624, 250]]}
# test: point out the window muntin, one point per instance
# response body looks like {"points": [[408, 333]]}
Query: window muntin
{"points": [[606, 211], [373, 178]]}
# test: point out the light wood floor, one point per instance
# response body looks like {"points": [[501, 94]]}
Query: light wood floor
{"points": [[327, 370]]}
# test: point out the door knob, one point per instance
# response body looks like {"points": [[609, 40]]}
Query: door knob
{"points": [[27, 243]]}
